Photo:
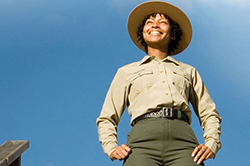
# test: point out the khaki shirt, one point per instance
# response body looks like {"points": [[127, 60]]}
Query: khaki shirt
{"points": [[142, 86]]}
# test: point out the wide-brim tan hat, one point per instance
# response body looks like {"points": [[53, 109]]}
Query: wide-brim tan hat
{"points": [[139, 13]]}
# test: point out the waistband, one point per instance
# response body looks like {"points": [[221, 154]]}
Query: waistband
{"points": [[164, 112]]}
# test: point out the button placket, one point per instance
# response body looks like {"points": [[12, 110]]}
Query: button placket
{"points": [[163, 78], [162, 72], [168, 93]]}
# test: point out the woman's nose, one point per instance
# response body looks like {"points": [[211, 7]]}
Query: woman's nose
{"points": [[155, 25]]}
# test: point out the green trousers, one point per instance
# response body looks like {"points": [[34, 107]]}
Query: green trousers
{"points": [[161, 142]]}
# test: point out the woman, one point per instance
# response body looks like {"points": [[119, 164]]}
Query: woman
{"points": [[157, 91]]}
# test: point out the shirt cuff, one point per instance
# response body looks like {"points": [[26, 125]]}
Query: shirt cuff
{"points": [[109, 148], [213, 145]]}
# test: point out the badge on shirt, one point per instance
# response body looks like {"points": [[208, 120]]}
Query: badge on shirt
{"points": [[205, 88]]}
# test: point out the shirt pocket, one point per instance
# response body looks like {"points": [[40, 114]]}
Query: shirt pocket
{"points": [[180, 81], [142, 80]]}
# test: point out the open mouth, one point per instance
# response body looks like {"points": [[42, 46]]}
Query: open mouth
{"points": [[154, 33]]}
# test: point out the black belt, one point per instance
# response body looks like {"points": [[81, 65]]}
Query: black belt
{"points": [[163, 112]]}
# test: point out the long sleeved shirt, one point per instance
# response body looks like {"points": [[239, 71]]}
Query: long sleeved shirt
{"points": [[150, 83]]}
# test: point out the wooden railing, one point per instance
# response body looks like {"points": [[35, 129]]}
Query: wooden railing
{"points": [[11, 151]]}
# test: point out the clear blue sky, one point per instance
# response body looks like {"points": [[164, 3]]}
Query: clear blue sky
{"points": [[57, 59]]}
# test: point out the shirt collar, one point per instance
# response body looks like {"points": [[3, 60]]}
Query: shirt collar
{"points": [[148, 58], [169, 58]]}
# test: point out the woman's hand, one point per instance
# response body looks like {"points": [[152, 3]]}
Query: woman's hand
{"points": [[202, 153], [120, 153]]}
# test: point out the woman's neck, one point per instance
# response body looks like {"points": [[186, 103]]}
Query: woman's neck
{"points": [[157, 52]]}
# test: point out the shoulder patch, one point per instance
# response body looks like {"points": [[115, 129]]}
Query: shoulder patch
{"points": [[205, 88]]}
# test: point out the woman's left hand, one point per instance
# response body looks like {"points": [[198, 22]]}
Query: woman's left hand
{"points": [[202, 153]]}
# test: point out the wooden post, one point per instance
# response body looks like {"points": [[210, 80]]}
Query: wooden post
{"points": [[11, 151], [17, 162]]}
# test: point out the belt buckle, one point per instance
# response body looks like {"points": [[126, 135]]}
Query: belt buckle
{"points": [[167, 112]]}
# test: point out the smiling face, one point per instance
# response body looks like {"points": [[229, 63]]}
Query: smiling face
{"points": [[157, 32]]}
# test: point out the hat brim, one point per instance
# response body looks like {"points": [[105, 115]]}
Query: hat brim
{"points": [[139, 13]]}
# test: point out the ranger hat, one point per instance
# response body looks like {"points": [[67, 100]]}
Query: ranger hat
{"points": [[140, 12]]}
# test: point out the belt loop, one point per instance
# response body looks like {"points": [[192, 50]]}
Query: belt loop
{"points": [[170, 112], [179, 115]]}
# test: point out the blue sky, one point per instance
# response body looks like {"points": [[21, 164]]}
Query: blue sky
{"points": [[58, 58]]}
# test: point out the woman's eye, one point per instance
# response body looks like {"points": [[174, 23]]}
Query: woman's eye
{"points": [[164, 22], [149, 22]]}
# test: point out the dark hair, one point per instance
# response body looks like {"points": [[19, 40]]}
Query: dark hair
{"points": [[176, 33]]}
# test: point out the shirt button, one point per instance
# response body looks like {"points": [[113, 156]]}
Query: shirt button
{"points": [[166, 94], [163, 81], [161, 72]]}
